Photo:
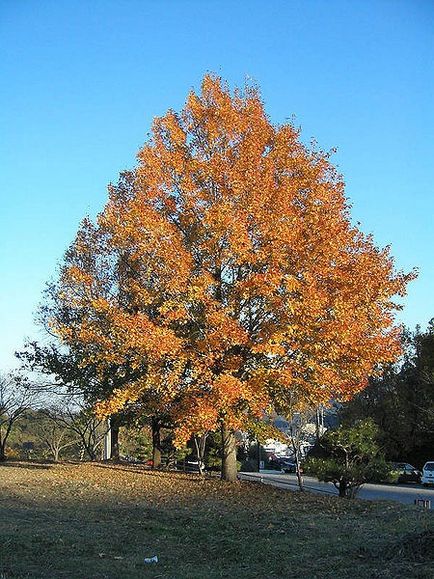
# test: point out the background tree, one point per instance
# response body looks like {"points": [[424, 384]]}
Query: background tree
{"points": [[150, 410], [136, 441], [15, 399], [53, 432], [401, 402], [88, 428], [224, 272], [63, 373]]}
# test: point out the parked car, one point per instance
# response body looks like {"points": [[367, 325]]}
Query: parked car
{"points": [[287, 465], [273, 464], [407, 472], [192, 465], [428, 473], [130, 459]]}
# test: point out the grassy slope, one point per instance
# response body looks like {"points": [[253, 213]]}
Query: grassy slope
{"points": [[95, 520]]}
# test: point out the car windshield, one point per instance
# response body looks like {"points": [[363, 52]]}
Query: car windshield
{"points": [[429, 466]]}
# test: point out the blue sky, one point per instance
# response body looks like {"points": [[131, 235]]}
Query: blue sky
{"points": [[82, 80]]}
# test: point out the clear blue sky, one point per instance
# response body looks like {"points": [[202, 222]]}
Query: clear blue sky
{"points": [[82, 80]]}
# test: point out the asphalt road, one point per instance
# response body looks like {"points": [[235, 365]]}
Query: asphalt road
{"points": [[401, 493]]}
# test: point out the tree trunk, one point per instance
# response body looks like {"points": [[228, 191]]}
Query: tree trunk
{"points": [[229, 455], [2, 447], [298, 471], [114, 425], [296, 451], [3, 438], [342, 489], [156, 443]]}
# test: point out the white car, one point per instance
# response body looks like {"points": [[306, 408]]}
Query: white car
{"points": [[428, 473]]}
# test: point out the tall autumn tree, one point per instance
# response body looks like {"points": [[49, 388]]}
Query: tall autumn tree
{"points": [[225, 275]]}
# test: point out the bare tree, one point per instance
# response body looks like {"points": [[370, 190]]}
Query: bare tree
{"points": [[80, 419], [55, 433], [16, 397], [298, 431]]}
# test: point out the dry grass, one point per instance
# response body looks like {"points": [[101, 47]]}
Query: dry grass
{"points": [[94, 520]]}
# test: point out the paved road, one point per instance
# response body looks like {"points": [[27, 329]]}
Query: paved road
{"points": [[400, 493]]}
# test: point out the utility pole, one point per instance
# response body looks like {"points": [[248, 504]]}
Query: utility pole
{"points": [[259, 455], [319, 420], [107, 450]]}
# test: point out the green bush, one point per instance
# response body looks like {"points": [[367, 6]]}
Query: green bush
{"points": [[392, 477], [377, 471], [352, 457]]}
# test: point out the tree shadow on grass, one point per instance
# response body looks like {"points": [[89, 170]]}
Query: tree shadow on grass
{"points": [[148, 471], [27, 465]]}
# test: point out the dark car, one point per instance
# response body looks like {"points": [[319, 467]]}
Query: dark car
{"points": [[273, 464], [287, 465], [407, 472]]}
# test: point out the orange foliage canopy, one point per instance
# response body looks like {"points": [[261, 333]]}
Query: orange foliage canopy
{"points": [[224, 272]]}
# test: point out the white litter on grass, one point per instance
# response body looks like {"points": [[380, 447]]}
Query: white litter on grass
{"points": [[153, 559]]}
